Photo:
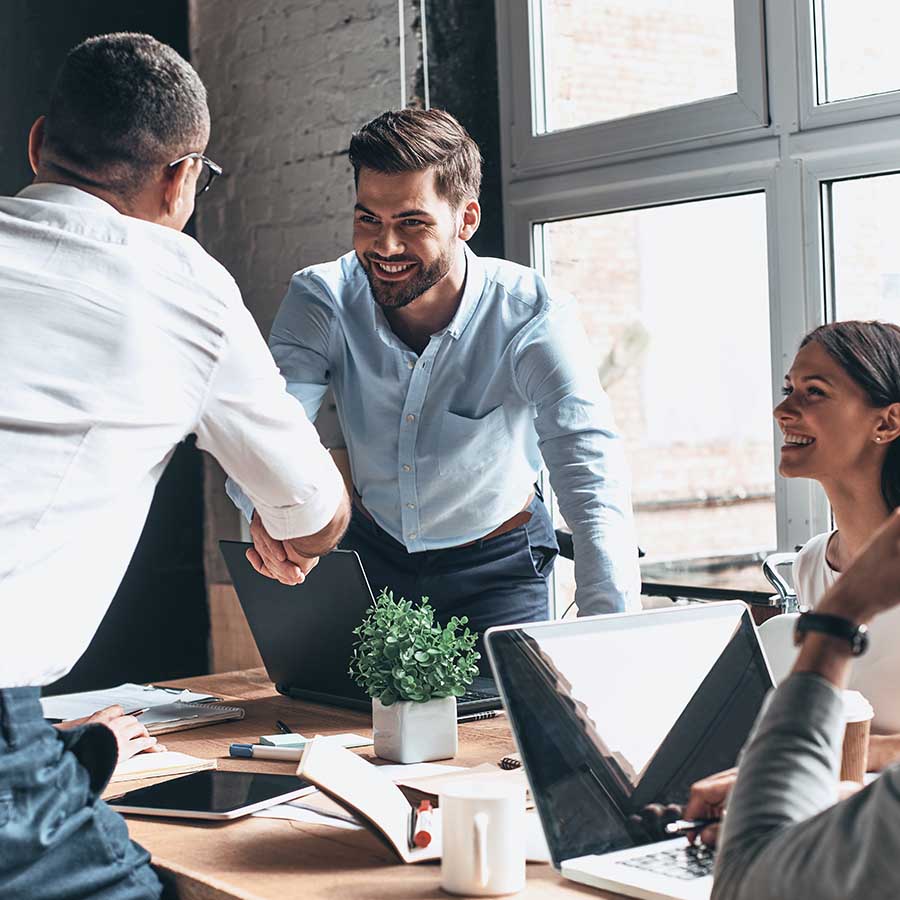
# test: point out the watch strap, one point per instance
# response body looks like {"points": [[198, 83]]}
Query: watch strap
{"points": [[834, 626]]}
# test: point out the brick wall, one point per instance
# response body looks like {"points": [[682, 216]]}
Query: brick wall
{"points": [[288, 82]]}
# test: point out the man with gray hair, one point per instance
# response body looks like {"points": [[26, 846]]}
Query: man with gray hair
{"points": [[119, 337]]}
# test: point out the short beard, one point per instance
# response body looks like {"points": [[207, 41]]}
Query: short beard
{"points": [[395, 296]]}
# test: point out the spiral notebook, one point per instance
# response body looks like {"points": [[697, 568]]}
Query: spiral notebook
{"points": [[181, 716]]}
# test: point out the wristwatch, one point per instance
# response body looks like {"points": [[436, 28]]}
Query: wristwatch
{"points": [[857, 636]]}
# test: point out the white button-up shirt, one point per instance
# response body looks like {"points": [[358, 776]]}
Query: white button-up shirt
{"points": [[118, 338]]}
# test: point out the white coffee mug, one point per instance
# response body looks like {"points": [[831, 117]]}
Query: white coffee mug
{"points": [[483, 836]]}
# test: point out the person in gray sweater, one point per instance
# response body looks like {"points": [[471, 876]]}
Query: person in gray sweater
{"points": [[784, 836]]}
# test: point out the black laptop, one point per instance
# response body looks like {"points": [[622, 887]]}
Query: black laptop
{"points": [[304, 632]]}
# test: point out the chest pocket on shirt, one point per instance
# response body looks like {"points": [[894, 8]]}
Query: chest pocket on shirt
{"points": [[469, 444]]}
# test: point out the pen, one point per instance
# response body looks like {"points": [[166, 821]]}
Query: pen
{"points": [[259, 751], [282, 727], [138, 712], [683, 826], [477, 717], [422, 829]]}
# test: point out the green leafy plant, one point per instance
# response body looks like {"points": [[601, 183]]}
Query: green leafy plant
{"points": [[402, 654]]}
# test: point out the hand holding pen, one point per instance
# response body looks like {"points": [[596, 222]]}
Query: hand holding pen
{"points": [[708, 799]]}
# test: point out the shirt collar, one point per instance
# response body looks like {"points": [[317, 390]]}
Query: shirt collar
{"points": [[66, 194], [472, 292]]}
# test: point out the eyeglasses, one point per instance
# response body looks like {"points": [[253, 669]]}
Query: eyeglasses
{"points": [[210, 171]]}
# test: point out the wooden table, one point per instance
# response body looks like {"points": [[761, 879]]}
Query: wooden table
{"points": [[277, 859]]}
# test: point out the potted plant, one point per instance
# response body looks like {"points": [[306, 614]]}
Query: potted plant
{"points": [[413, 670]]}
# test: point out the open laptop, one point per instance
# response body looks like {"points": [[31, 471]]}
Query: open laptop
{"points": [[613, 713], [304, 632]]}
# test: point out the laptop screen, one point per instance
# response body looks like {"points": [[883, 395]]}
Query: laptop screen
{"points": [[614, 713]]}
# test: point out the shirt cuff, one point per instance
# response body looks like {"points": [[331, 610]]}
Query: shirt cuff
{"points": [[307, 516]]}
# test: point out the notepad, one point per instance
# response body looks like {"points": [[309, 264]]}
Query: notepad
{"points": [[128, 696], [181, 716], [154, 765], [357, 785]]}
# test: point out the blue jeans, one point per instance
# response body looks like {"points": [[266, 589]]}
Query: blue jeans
{"points": [[58, 840], [499, 581]]}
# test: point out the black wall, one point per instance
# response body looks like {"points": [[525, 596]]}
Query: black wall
{"points": [[157, 626], [462, 70]]}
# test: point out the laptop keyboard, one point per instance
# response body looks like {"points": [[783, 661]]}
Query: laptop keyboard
{"points": [[686, 863], [473, 694]]}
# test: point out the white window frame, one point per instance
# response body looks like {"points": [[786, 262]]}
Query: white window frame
{"points": [[789, 154], [730, 116], [834, 112]]}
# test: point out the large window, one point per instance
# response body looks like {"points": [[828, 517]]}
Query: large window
{"points": [[596, 58], [856, 48], [863, 217], [710, 180]]}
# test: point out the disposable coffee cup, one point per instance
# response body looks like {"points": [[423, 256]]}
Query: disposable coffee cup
{"points": [[858, 715]]}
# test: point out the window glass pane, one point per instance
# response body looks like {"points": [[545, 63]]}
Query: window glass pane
{"points": [[675, 303], [865, 222], [856, 48], [605, 59]]}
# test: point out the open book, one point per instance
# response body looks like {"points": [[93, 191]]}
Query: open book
{"points": [[155, 765], [360, 787]]}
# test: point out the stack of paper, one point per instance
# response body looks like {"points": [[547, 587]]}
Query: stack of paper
{"points": [[154, 765], [129, 696]]}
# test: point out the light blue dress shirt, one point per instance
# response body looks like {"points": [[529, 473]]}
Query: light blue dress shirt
{"points": [[446, 445]]}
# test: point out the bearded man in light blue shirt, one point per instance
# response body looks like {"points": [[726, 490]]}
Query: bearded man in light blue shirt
{"points": [[454, 377]]}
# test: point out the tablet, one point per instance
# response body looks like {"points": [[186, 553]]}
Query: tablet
{"points": [[212, 794]]}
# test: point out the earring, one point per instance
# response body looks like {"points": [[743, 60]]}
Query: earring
{"points": [[878, 440]]}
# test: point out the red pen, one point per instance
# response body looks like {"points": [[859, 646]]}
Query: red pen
{"points": [[422, 831]]}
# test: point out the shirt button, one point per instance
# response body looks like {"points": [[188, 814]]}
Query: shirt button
{"points": [[410, 505], [411, 535], [410, 418], [411, 363], [407, 468]]}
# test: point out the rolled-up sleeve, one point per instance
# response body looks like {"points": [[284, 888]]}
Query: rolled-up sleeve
{"points": [[783, 837], [585, 457], [263, 438]]}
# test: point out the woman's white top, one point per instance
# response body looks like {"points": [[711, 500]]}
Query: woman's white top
{"points": [[876, 674]]}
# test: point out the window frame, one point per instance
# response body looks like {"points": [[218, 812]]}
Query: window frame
{"points": [[799, 148], [833, 112], [728, 117]]}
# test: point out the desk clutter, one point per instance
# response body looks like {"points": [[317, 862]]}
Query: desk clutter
{"points": [[130, 697], [155, 765], [162, 710]]}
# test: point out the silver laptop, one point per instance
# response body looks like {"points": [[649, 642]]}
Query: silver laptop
{"points": [[614, 713]]}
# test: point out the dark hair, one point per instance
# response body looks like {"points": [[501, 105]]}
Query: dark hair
{"points": [[411, 140], [869, 352], [123, 105]]}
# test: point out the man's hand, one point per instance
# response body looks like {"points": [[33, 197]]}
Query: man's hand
{"points": [[131, 736], [269, 556], [290, 561], [708, 800]]}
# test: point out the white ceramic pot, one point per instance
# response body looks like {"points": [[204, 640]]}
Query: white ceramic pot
{"points": [[408, 732]]}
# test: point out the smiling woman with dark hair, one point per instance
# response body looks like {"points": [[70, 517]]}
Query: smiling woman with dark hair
{"points": [[841, 420]]}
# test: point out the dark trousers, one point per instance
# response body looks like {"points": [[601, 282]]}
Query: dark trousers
{"points": [[58, 840], [499, 581]]}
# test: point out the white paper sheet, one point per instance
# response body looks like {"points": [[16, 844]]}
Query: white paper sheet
{"points": [[296, 813], [129, 696]]}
